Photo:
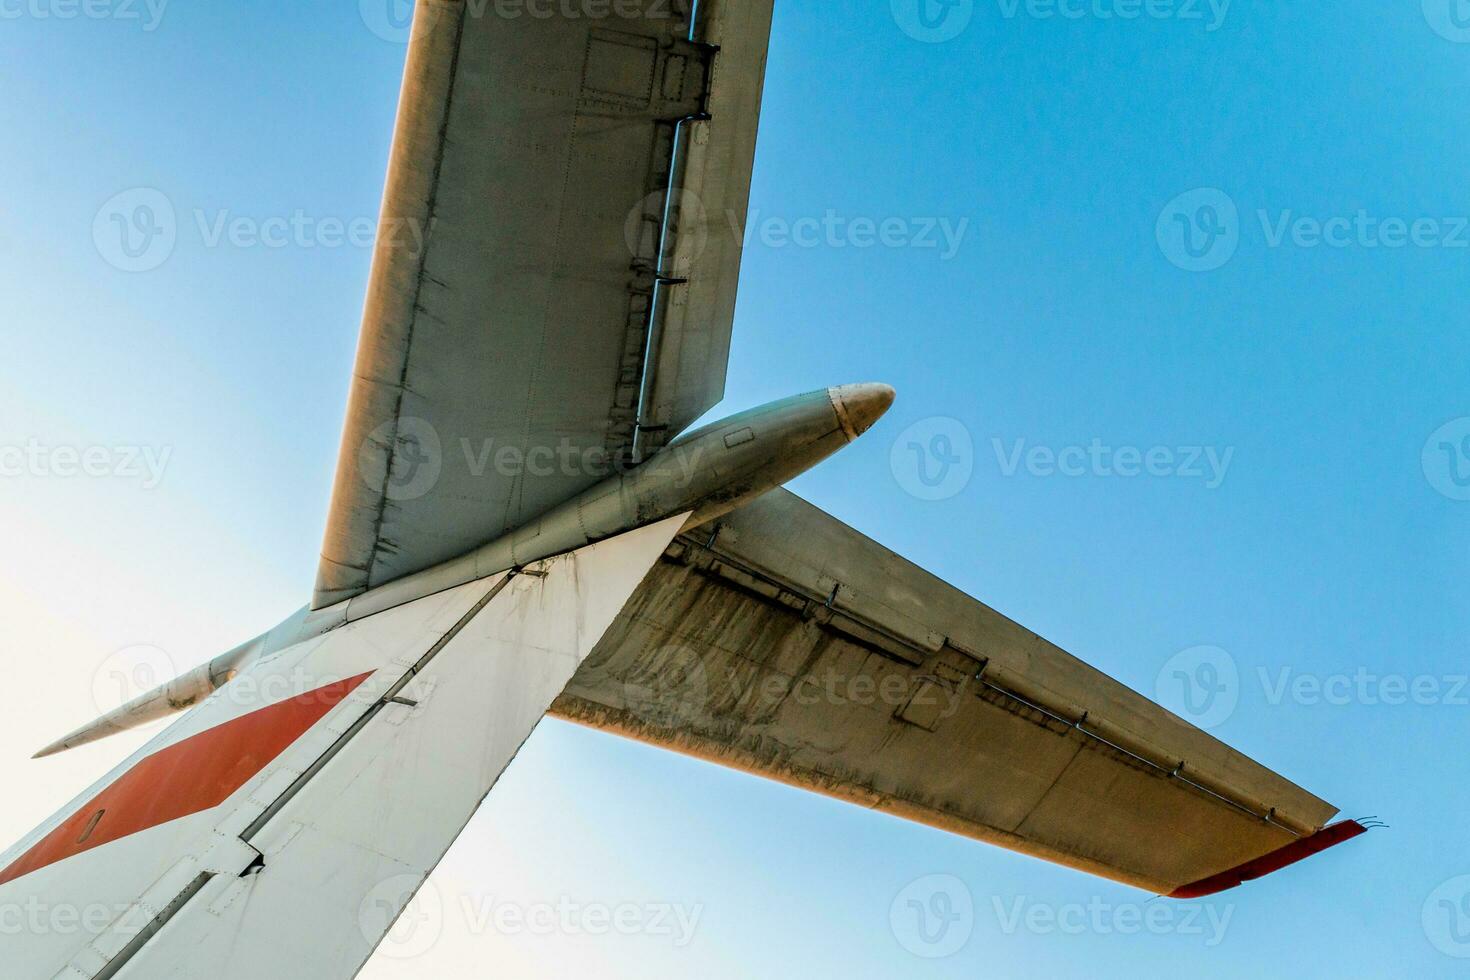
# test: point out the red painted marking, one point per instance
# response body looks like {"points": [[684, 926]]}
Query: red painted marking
{"points": [[186, 778], [1297, 850]]}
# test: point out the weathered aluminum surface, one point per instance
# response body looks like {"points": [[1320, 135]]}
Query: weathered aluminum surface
{"points": [[534, 155], [781, 642], [298, 869]]}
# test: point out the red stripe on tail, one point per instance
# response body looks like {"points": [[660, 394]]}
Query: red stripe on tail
{"points": [[186, 778]]}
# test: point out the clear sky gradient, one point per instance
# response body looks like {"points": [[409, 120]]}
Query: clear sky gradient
{"points": [[1175, 304]]}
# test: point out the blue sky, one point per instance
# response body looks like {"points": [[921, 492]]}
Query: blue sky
{"points": [[1232, 233]]}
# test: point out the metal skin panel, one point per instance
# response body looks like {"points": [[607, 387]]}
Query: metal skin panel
{"points": [[536, 155], [61, 909], [121, 886], [692, 350], [785, 644], [345, 855], [439, 695], [188, 777]]}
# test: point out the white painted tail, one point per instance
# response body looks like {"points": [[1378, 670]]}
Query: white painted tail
{"points": [[280, 828]]}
